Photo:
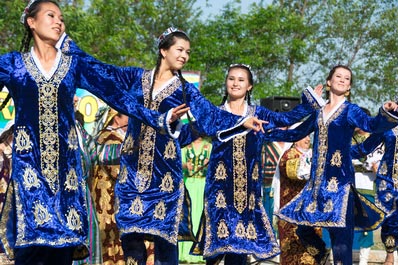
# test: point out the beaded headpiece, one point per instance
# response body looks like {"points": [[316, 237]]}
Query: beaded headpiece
{"points": [[240, 65], [167, 32], [26, 11], [248, 67]]}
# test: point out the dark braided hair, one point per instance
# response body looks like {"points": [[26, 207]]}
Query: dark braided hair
{"points": [[250, 77], [31, 11], [164, 44]]}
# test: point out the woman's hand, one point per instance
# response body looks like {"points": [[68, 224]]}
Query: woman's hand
{"points": [[254, 124], [318, 90], [390, 106], [177, 112]]}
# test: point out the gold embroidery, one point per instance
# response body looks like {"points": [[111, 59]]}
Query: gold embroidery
{"points": [[73, 142], [73, 219], [148, 143], [72, 182], [170, 151], [328, 207], [128, 145], [240, 230], [255, 173], [220, 200], [30, 178], [306, 258], [131, 261], [298, 206], [323, 151], [336, 159], [48, 116], [160, 211], [389, 242], [123, 175], [137, 208], [251, 231], [394, 173], [383, 185], [333, 185], [240, 173], [383, 170], [388, 197], [222, 229], [221, 172], [145, 160], [41, 213], [252, 201], [311, 207], [22, 140], [310, 185], [167, 183], [313, 251]]}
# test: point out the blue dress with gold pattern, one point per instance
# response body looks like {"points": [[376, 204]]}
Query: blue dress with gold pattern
{"points": [[150, 187], [323, 201], [234, 219], [46, 204]]}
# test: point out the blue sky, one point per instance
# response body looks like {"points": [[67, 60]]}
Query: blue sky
{"points": [[216, 5]]}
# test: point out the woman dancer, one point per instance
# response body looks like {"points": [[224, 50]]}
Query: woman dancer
{"points": [[235, 223], [44, 216], [385, 144], [329, 197]]}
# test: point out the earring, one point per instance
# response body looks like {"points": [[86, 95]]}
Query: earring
{"points": [[347, 93], [327, 88]]}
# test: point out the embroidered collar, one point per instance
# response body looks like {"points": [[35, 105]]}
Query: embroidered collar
{"points": [[155, 93], [49, 74], [326, 117]]}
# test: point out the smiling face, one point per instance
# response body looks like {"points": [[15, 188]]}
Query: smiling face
{"points": [[48, 24], [340, 81], [177, 55], [237, 83]]}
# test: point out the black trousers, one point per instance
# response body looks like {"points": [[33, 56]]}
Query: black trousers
{"points": [[40, 255]]}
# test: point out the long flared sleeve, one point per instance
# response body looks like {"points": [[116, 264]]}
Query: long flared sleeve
{"points": [[6, 67], [310, 103], [109, 83], [281, 119], [209, 118], [383, 121], [112, 84], [368, 146], [292, 135]]}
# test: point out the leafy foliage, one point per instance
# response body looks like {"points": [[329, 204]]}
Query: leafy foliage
{"points": [[288, 43]]}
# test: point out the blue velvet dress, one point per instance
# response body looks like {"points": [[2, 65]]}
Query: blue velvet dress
{"points": [[323, 201], [386, 181], [235, 221], [46, 203], [150, 188]]}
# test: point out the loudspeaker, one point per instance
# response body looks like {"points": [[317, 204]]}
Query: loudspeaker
{"points": [[280, 104]]}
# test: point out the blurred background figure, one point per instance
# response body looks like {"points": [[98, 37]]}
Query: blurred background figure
{"points": [[85, 142], [294, 171], [271, 153], [365, 175], [110, 131], [6, 139], [195, 158]]}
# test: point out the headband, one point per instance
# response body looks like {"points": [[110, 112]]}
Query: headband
{"points": [[168, 31], [26, 11], [240, 65]]}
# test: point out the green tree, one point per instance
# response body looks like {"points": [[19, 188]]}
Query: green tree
{"points": [[268, 38], [11, 29]]}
